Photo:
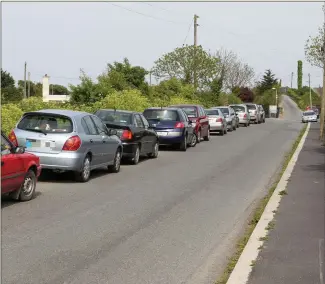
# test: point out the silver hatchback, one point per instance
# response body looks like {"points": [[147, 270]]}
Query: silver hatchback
{"points": [[243, 114], [68, 141]]}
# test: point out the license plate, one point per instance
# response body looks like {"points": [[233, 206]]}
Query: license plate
{"points": [[30, 143], [162, 133]]}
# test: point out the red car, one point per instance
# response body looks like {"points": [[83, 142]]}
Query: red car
{"points": [[200, 120], [19, 171]]}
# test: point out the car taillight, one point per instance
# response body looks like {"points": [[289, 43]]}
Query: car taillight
{"points": [[179, 125], [72, 144], [126, 135], [245, 115], [219, 119], [12, 137]]}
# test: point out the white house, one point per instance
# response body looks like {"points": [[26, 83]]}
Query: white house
{"points": [[46, 92]]}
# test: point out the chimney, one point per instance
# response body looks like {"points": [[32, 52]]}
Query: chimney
{"points": [[46, 88]]}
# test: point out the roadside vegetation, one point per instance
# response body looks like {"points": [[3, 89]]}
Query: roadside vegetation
{"points": [[221, 78]]}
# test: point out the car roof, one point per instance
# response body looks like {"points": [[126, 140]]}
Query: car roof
{"points": [[119, 110], [162, 108], [66, 112], [186, 105]]}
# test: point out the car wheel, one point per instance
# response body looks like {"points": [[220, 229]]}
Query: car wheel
{"points": [[136, 157], [84, 174], [222, 132], [115, 168], [155, 151], [193, 141], [183, 146], [225, 130], [234, 127], [207, 138], [27, 190], [199, 136]]}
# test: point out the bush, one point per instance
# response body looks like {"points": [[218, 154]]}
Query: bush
{"points": [[10, 114]]}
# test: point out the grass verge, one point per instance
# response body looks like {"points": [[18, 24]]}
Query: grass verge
{"points": [[241, 243]]}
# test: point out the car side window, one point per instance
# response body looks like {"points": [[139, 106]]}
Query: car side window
{"points": [[5, 147], [138, 121], [185, 116], [145, 121], [200, 112], [181, 115], [90, 125], [100, 125]]}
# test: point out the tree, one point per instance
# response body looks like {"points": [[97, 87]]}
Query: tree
{"points": [[6, 80], [236, 73], [9, 92], [182, 62], [245, 94], [299, 75], [268, 82], [313, 49]]}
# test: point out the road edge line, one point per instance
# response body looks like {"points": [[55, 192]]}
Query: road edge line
{"points": [[243, 267]]}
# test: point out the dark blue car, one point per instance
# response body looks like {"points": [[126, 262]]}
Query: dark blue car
{"points": [[172, 126]]}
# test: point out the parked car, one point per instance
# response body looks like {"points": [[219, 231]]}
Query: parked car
{"points": [[254, 112], [66, 140], [262, 113], [309, 116], [237, 118], [138, 138], [172, 126], [19, 171], [217, 121], [200, 119], [242, 113], [230, 116]]}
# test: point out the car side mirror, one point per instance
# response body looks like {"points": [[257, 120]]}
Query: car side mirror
{"points": [[112, 132], [19, 150]]}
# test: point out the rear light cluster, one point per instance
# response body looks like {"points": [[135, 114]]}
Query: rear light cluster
{"points": [[13, 139], [72, 144], [126, 135], [219, 119], [245, 115], [179, 125]]}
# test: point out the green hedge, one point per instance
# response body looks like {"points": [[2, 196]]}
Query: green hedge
{"points": [[126, 100]]}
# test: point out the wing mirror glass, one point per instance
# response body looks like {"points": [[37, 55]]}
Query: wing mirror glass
{"points": [[19, 150]]}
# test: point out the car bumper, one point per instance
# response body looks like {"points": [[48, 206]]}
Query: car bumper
{"points": [[65, 161], [170, 140], [243, 120], [216, 127], [129, 149]]}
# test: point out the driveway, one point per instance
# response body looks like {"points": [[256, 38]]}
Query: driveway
{"points": [[170, 220]]}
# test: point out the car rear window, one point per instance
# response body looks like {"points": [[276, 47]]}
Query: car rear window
{"points": [[212, 112], [190, 111], [161, 114], [115, 117], [46, 123], [238, 108], [251, 106], [224, 110], [309, 113]]}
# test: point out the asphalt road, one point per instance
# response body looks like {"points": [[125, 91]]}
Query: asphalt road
{"points": [[170, 220]]}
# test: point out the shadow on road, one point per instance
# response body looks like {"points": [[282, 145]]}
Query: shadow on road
{"points": [[6, 201]]}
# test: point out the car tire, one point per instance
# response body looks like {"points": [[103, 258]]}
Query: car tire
{"points": [[193, 141], [207, 138], [222, 132], [155, 151], [28, 188], [115, 168], [84, 174], [183, 145], [136, 158], [225, 130], [198, 136]]}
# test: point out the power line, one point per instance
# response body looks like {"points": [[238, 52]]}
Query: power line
{"points": [[146, 15], [163, 9], [189, 28]]}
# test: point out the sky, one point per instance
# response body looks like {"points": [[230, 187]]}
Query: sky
{"points": [[59, 39]]}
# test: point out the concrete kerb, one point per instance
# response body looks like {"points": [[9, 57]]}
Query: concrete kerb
{"points": [[243, 268]]}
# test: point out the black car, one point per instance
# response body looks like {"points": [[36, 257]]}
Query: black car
{"points": [[138, 138], [172, 126]]}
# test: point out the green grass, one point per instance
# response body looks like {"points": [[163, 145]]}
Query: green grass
{"points": [[241, 243], [283, 192]]}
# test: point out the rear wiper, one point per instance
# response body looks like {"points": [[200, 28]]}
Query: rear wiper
{"points": [[36, 130]]}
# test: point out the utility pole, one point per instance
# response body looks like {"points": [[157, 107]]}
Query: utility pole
{"points": [[25, 70], [291, 79], [195, 45], [322, 113], [310, 99], [150, 72], [28, 84]]}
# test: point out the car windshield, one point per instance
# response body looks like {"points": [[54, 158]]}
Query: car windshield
{"points": [[309, 113], [190, 111], [251, 106], [115, 117], [238, 108], [46, 123], [212, 112], [224, 110], [161, 114]]}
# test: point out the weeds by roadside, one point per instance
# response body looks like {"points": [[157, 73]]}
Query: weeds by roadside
{"points": [[257, 215]]}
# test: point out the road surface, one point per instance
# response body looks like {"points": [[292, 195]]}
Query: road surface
{"points": [[170, 220]]}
